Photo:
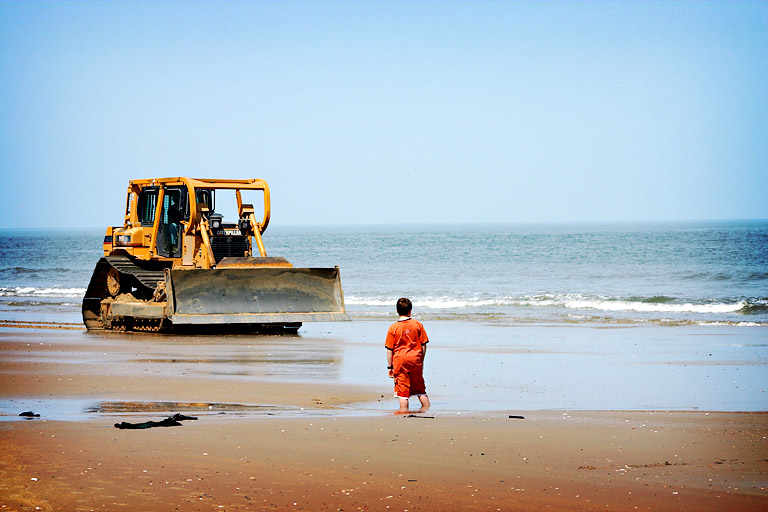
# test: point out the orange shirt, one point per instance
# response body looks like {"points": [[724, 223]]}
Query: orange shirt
{"points": [[405, 338]]}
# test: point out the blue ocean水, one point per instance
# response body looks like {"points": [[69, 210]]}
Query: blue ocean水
{"points": [[656, 273]]}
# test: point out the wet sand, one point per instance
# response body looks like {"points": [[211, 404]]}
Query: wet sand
{"points": [[470, 366], [304, 423]]}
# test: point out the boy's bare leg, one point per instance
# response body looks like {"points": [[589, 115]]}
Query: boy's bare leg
{"points": [[424, 399], [403, 404]]}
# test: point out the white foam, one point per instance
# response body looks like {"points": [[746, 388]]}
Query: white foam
{"points": [[30, 291], [445, 303], [442, 302], [368, 301], [570, 301], [425, 302], [645, 307], [736, 324]]}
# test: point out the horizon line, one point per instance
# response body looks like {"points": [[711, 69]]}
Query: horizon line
{"points": [[446, 224]]}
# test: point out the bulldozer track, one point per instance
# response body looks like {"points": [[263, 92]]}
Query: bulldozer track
{"points": [[147, 324], [121, 324], [115, 275], [148, 278]]}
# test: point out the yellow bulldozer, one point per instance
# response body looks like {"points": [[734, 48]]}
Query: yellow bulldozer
{"points": [[176, 263]]}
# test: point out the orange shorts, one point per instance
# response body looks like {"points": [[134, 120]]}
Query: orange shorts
{"points": [[410, 382]]}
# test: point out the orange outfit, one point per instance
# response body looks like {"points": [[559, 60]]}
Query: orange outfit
{"points": [[405, 338]]}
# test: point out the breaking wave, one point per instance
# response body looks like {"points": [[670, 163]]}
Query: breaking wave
{"points": [[31, 291], [656, 304], [654, 307]]}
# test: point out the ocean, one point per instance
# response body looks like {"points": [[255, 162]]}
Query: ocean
{"points": [[656, 316], [669, 274]]}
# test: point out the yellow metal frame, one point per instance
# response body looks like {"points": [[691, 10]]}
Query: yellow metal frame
{"points": [[143, 238], [195, 183]]}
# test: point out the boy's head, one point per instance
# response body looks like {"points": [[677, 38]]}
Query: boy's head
{"points": [[404, 307]]}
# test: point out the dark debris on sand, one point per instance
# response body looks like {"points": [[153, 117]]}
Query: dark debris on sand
{"points": [[171, 421]]}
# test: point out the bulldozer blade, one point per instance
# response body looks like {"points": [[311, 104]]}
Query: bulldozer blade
{"points": [[239, 295]]}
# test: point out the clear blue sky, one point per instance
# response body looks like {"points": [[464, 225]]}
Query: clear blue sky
{"points": [[387, 112]]}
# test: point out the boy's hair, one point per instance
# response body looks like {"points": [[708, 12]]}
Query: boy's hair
{"points": [[404, 307]]}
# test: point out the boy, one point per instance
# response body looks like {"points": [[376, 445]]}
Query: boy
{"points": [[406, 347]]}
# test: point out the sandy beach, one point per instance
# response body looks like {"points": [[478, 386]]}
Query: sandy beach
{"points": [[567, 192], [295, 423]]}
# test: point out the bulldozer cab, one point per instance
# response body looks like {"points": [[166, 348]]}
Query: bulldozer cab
{"points": [[169, 229], [175, 220], [174, 210]]}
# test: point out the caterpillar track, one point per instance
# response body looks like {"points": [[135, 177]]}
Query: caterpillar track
{"points": [[119, 277]]}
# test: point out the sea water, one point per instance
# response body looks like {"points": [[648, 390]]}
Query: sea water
{"points": [[571, 316], [702, 273]]}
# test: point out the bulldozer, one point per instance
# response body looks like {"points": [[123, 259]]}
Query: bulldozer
{"points": [[175, 263]]}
